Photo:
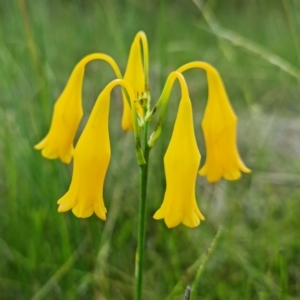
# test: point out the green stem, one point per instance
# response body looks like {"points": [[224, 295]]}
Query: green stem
{"points": [[142, 218]]}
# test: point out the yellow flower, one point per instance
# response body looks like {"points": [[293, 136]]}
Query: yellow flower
{"points": [[91, 159], [181, 166], [219, 127], [67, 114], [135, 76]]}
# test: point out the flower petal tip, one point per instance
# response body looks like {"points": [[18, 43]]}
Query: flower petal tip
{"points": [[66, 159], [158, 215], [247, 170], [61, 209], [82, 212], [171, 224], [37, 146], [101, 214]]}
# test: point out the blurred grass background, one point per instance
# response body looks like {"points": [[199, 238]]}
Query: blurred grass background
{"points": [[255, 46]]}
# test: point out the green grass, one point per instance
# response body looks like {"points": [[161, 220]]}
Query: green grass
{"points": [[46, 255]]}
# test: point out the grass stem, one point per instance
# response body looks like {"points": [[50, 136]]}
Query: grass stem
{"points": [[200, 270]]}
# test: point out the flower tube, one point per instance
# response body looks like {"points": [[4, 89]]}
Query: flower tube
{"points": [[181, 163], [91, 159], [136, 75], [219, 127]]}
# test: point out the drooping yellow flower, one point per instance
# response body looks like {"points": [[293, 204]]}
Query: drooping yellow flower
{"points": [[135, 76], [91, 159], [67, 114], [181, 166], [219, 127]]}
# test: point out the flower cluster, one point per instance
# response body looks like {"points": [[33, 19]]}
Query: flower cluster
{"points": [[92, 153]]}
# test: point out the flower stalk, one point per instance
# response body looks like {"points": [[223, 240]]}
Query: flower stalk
{"points": [[142, 216]]}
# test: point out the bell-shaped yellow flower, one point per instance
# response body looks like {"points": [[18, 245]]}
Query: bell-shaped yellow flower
{"points": [[91, 159], [219, 127], [135, 76], [181, 166], [66, 117]]}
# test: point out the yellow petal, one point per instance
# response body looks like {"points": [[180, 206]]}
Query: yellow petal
{"points": [[219, 128], [67, 202], [91, 160], [66, 117], [181, 165], [135, 76]]}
